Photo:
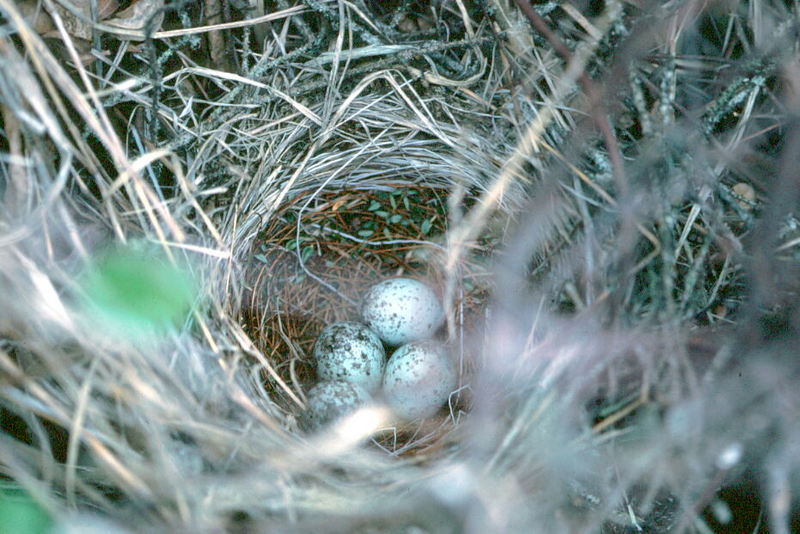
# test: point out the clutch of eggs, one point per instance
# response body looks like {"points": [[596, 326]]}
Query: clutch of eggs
{"points": [[351, 352], [419, 379], [401, 310]]}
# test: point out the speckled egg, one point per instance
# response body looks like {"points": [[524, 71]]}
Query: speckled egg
{"points": [[351, 352], [400, 310], [331, 400], [419, 378]]}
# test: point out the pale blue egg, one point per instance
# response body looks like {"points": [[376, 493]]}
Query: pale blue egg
{"points": [[419, 379], [350, 351], [401, 310]]}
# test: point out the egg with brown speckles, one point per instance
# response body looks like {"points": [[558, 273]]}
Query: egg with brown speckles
{"points": [[401, 310], [331, 400], [351, 352], [419, 379]]}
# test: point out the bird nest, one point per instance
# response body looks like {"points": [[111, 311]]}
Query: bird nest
{"points": [[602, 197]]}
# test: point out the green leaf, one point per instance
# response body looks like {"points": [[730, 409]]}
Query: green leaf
{"points": [[374, 205], [261, 258], [406, 203], [396, 218], [20, 515], [427, 224], [393, 201], [382, 213], [306, 253], [365, 233], [133, 289]]}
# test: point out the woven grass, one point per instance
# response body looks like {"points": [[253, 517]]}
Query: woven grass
{"points": [[603, 196]]}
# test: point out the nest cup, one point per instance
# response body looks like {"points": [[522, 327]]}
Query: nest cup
{"points": [[312, 227], [312, 237], [327, 243]]}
